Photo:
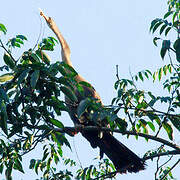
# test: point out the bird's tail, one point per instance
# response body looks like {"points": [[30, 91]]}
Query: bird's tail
{"points": [[123, 158]]}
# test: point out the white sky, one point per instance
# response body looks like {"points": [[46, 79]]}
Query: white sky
{"points": [[101, 34]]}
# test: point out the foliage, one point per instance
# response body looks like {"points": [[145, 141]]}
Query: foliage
{"points": [[31, 101]]}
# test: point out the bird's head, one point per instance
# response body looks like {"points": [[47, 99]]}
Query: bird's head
{"points": [[49, 21]]}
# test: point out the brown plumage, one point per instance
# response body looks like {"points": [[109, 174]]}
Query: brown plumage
{"points": [[123, 158]]}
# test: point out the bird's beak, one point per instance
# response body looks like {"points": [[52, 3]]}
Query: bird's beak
{"points": [[44, 16]]}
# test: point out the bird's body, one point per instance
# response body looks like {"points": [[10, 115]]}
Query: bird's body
{"points": [[123, 158]]}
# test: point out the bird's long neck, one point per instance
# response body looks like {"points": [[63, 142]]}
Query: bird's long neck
{"points": [[65, 52]]}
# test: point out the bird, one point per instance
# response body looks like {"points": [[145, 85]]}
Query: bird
{"points": [[122, 157]]}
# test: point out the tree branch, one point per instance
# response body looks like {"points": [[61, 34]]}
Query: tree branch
{"points": [[174, 152], [81, 128]]}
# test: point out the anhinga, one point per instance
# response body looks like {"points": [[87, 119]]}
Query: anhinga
{"points": [[123, 158]]}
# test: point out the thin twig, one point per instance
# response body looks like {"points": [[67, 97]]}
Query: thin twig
{"points": [[145, 111], [172, 63], [77, 155], [109, 175], [157, 167], [170, 169], [117, 73], [174, 152]]}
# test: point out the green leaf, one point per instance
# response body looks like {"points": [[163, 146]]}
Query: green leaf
{"points": [[3, 95], [167, 31], [6, 77], [174, 16], [166, 44], [175, 121], [3, 28], [167, 14], [3, 118], [83, 105], [84, 83], [153, 23], [62, 70], [140, 76], [155, 39], [163, 52], [69, 68], [151, 125], [34, 78], [156, 26], [34, 58], [1, 168], [18, 165], [9, 61], [168, 129], [21, 37], [22, 76], [70, 94], [160, 73], [176, 46], [162, 28], [32, 163], [45, 154], [44, 56], [57, 123]]}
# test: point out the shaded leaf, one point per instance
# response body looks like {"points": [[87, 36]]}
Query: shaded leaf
{"points": [[34, 78], [3, 118], [21, 37], [156, 26], [3, 95], [155, 39], [167, 31], [70, 94], [83, 105], [22, 76], [175, 121], [163, 52]]}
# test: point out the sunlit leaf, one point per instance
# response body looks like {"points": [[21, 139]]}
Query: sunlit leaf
{"points": [[151, 125], [3, 28], [168, 129], [168, 14], [57, 123]]}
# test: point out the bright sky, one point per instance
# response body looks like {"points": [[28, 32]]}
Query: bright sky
{"points": [[101, 34]]}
